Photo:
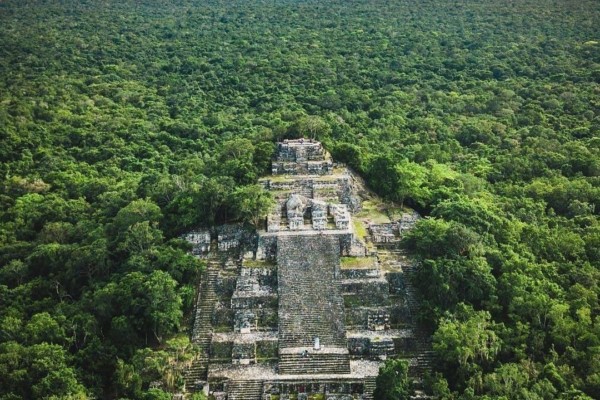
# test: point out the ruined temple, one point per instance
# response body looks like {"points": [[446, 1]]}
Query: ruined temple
{"points": [[310, 305]]}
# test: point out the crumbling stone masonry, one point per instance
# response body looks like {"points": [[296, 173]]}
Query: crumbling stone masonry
{"points": [[304, 307]]}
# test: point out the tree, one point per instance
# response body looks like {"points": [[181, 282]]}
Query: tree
{"points": [[148, 304], [140, 237], [410, 184], [137, 211], [393, 382], [253, 203], [434, 237], [135, 225], [311, 127], [399, 181], [164, 308], [39, 371], [466, 340], [42, 328], [126, 381], [350, 154]]}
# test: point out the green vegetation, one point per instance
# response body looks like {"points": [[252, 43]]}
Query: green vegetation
{"points": [[359, 228], [393, 382], [358, 262], [378, 212], [259, 264], [374, 212], [123, 124]]}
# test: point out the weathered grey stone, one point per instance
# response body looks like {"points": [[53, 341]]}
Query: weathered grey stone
{"points": [[281, 289], [301, 156], [200, 241], [384, 233], [245, 321], [243, 353]]}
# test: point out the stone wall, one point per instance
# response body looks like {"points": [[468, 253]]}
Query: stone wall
{"points": [[200, 240], [267, 350], [220, 352], [301, 157], [384, 233], [265, 276], [308, 389], [357, 316], [225, 286], [300, 150], [396, 283], [334, 189], [360, 273], [351, 246], [243, 353], [302, 168], [408, 221], [254, 300], [240, 301], [266, 248], [369, 291], [372, 348]]}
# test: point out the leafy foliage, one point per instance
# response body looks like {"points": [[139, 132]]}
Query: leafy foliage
{"points": [[122, 124], [393, 382]]}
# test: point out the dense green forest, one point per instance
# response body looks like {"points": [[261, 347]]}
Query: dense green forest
{"points": [[124, 123]]}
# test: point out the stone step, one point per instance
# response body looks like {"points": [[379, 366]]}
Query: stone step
{"points": [[310, 302], [245, 390], [195, 375], [202, 328], [314, 362], [369, 389]]}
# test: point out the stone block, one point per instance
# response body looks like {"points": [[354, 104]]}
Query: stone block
{"points": [[267, 318], [243, 353], [221, 351], [224, 287], [359, 346], [400, 315], [378, 321], [396, 283], [200, 241], [222, 316], [244, 321], [266, 350]]}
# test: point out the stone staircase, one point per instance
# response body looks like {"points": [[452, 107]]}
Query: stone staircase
{"points": [[306, 191], [311, 304], [313, 300], [317, 362], [245, 390], [202, 330], [300, 326], [369, 388], [391, 258], [422, 362], [424, 356], [205, 305]]}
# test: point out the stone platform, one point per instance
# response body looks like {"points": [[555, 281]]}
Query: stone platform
{"points": [[241, 381]]}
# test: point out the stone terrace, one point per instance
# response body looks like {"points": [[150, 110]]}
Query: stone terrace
{"points": [[302, 156]]}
